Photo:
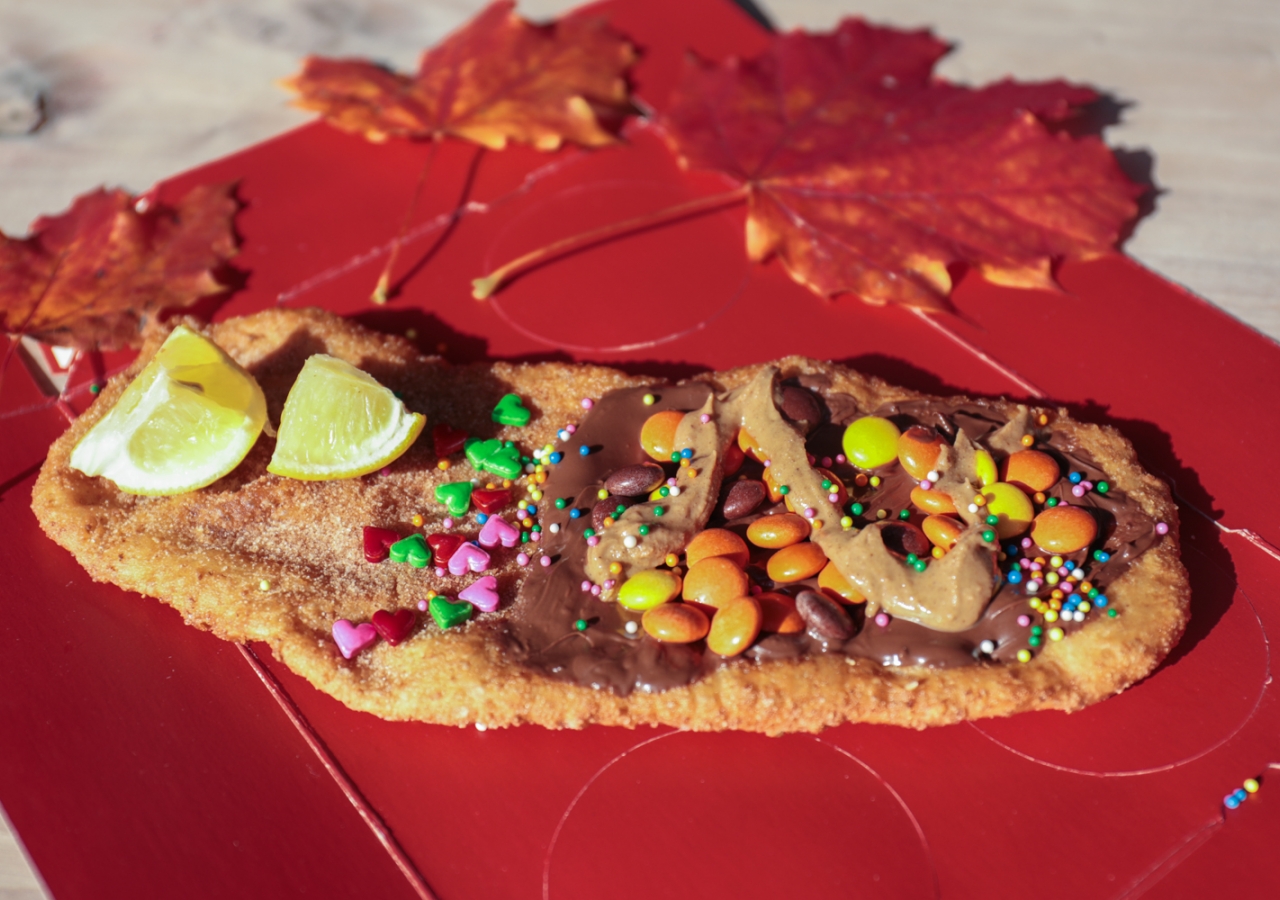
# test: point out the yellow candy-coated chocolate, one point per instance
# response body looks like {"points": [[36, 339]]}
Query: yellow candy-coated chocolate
{"points": [[647, 589], [870, 442], [1011, 506], [985, 466]]}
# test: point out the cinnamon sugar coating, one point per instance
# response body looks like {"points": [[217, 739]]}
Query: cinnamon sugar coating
{"points": [[209, 554]]}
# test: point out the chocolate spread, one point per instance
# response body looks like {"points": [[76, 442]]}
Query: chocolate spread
{"points": [[541, 632]]}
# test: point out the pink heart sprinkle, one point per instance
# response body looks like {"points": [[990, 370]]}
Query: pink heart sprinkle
{"points": [[497, 530], [351, 639], [468, 558], [484, 594]]}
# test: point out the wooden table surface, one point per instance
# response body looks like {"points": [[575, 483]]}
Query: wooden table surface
{"points": [[136, 90]]}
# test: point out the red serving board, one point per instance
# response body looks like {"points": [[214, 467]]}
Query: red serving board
{"points": [[142, 758]]}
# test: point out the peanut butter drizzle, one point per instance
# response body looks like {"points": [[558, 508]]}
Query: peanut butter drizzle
{"points": [[950, 595]]}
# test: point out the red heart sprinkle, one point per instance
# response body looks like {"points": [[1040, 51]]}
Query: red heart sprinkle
{"points": [[394, 626], [447, 439], [377, 543], [443, 546], [490, 501]]}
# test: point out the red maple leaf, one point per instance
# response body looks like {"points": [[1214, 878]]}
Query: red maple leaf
{"points": [[866, 174], [91, 277], [499, 78]]}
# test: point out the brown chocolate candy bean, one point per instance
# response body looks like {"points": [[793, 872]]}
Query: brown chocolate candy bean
{"points": [[801, 406], [1064, 529], [825, 619], [775, 532], [675, 623], [635, 481], [715, 581], [778, 613], [796, 563], [904, 538], [743, 499], [606, 508], [734, 626]]}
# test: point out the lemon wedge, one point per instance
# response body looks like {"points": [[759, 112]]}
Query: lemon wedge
{"points": [[339, 422], [189, 418]]}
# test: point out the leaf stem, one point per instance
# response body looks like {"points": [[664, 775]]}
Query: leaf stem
{"points": [[483, 288], [382, 290]]}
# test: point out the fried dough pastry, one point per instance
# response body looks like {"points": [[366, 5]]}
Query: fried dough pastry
{"points": [[257, 557]]}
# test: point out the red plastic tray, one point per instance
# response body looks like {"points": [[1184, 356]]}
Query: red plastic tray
{"points": [[142, 758]]}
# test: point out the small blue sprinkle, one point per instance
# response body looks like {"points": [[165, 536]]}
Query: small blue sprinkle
{"points": [[1101, 555], [481, 518], [1076, 477], [584, 450], [556, 457], [1230, 801], [1012, 549], [574, 513], [1069, 565], [1100, 601], [530, 509], [1015, 577], [1240, 794], [686, 453]]}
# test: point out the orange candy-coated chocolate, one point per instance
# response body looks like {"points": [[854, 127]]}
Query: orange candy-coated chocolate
{"points": [[676, 623], [717, 542], [734, 626], [942, 531], [1031, 470], [796, 563], [830, 580], [658, 434], [775, 532], [778, 613], [715, 581], [918, 451], [934, 502], [1064, 529], [747, 444]]}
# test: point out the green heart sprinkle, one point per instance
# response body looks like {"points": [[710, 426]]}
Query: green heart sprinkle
{"points": [[456, 496], [510, 411], [493, 456], [412, 550], [448, 614]]}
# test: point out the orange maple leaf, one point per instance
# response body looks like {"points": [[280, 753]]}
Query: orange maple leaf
{"points": [[91, 277], [865, 174], [497, 79]]}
